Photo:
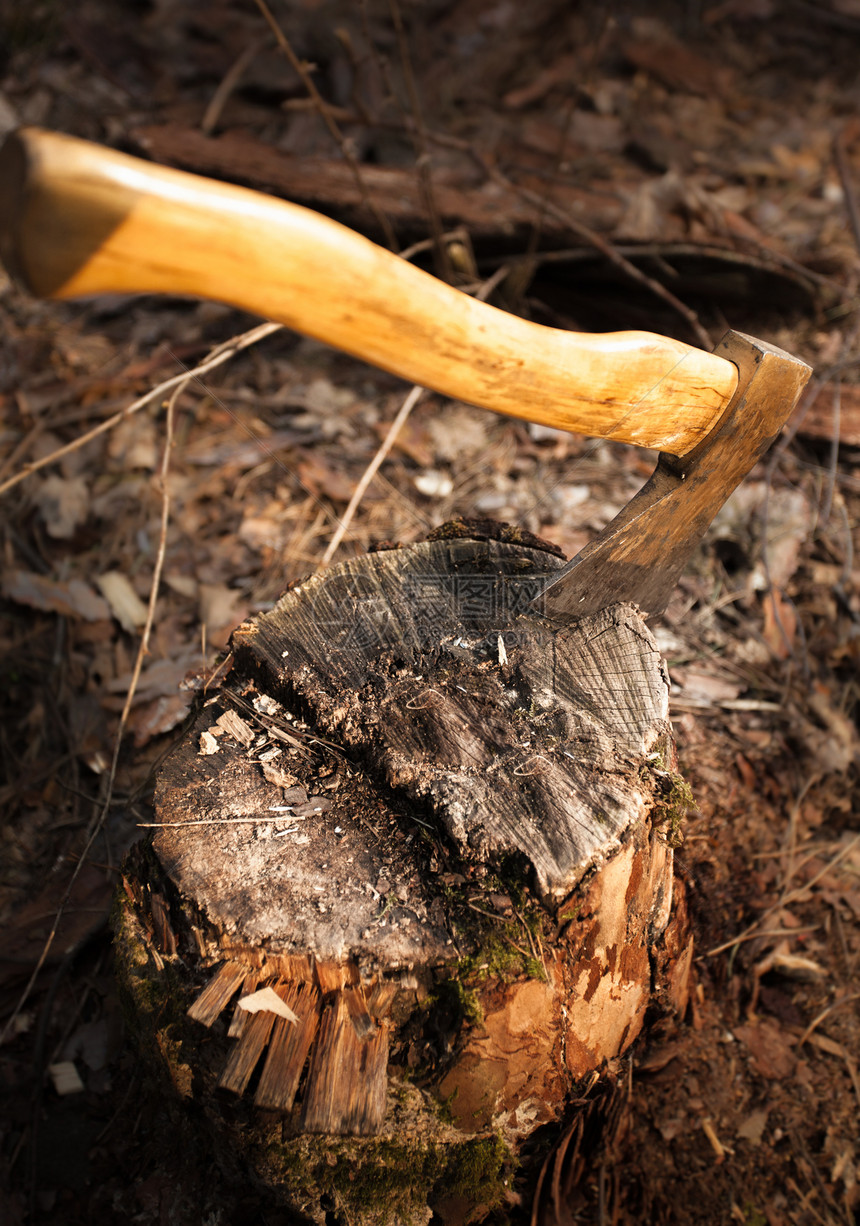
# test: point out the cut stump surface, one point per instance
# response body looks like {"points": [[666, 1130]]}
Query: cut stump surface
{"points": [[433, 823]]}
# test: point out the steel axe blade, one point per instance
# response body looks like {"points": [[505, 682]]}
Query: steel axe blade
{"points": [[639, 556]]}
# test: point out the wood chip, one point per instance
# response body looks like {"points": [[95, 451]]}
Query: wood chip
{"points": [[267, 1000], [716, 1145], [66, 1078], [235, 726], [208, 744], [215, 997], [125, 604]]}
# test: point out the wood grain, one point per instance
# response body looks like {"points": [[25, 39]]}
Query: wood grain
{"points": [[288, 1048], [217, 994], [77, 219], [347, 1082], [480, 896]]}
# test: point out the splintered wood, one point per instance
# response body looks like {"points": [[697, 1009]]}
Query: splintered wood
{"points": [[215, 996], [245, 1055], [288, 1048], [362, 894], [241, 1017], [346, 1088]]}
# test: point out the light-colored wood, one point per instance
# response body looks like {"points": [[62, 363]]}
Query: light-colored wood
{"points": [[77, 219]]}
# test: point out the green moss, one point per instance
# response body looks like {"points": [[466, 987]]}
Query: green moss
{"points": [[676, 798], [387, 1174], [455, 997], [479, 1167], [377, 1180], [499, 956], [673, 796], [754, 1216], [152, 997], [571, 913]]}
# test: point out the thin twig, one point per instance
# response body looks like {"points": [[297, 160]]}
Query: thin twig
{"points": [[783, 901], [143, 649], [848, 191], [21, 448], [370, 472], [833, 458], [259, 819], [425, 176], [325, 114], [585, 232], [388, 442], [217, 358], [816, 1021], [228, 84], [792, 824], [615, 257]]}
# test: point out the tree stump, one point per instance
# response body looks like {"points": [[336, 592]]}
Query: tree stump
{"points": [[426, 832]]}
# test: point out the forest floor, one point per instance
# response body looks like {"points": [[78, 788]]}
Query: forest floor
{"points": [[676, 167]]}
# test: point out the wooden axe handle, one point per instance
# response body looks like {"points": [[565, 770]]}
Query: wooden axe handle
{"points": [[79, 219]]}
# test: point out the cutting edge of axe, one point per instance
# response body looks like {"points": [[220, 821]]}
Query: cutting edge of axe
{"points": [[77, 219]]}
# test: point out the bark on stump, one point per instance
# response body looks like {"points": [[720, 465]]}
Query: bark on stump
{"points": [[434, 826]]}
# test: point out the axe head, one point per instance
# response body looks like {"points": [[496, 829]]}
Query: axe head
{"points": [[638, 557]]}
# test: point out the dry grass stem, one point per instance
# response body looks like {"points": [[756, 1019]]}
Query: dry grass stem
{"points": [[142, 651], [585, 232], [226, 87], [816, 1021], [370, 472], [223, 353], [425, 176], [325, 114], [784, 900]]}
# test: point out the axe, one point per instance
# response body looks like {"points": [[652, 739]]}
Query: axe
{"points": [[77, 219]]}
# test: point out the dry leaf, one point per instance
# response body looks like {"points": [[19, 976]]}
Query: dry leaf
{"points": [[73, 598], [780, 624], [321, 480], [752, 1129], [796, 967], [837, 748], [64, 503], [434, 484], [151, 719], [278, 777], [770, 1048], [221, 608], [133, 443], [457, 433], [126, 606], [706, 687], [160, 679], [782, 516]]}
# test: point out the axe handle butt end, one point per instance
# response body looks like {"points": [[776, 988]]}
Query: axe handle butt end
{"points": [[77, 219]]}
